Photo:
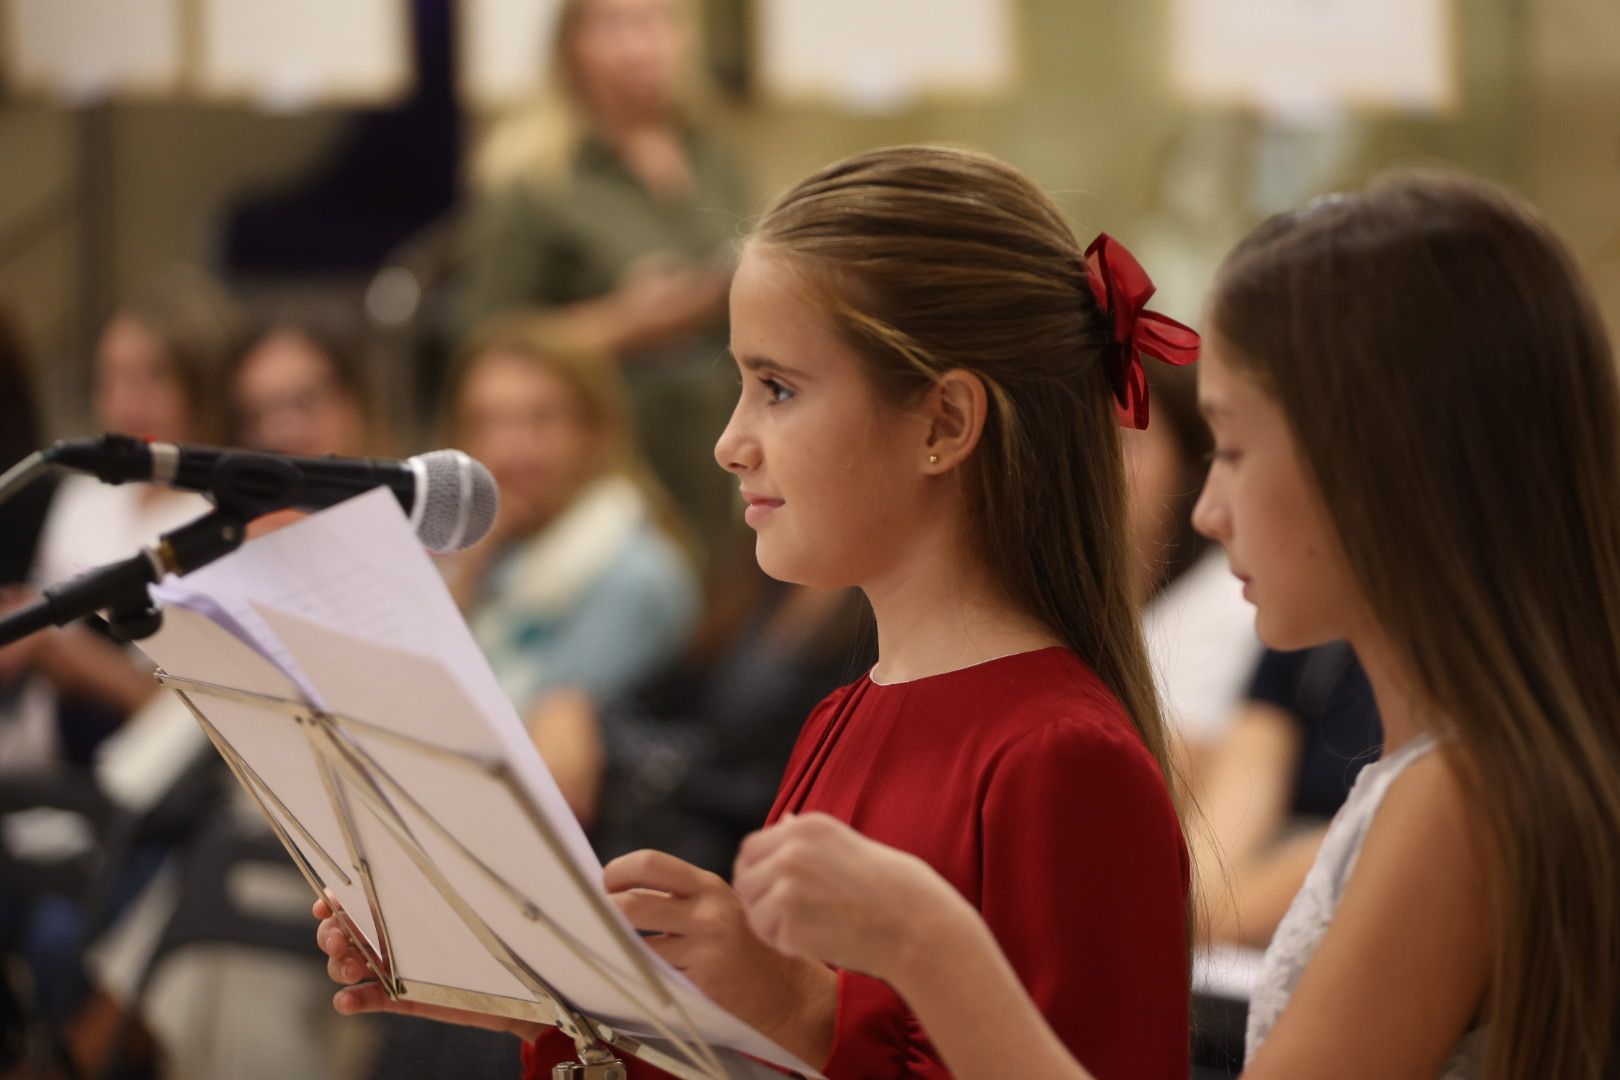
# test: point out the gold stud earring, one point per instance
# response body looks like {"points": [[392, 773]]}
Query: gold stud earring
{"points": [[933, 459]]}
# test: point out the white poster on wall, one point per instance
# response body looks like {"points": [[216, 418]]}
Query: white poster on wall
{"points": [[1303, 56], [84, 50], [291, 54], [504, 49], [883, 56]]}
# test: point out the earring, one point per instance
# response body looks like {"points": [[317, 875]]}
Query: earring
{"points": [[933, 459]]}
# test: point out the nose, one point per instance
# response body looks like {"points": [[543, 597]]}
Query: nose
{"points": [[736, 450], [1210, 516]]}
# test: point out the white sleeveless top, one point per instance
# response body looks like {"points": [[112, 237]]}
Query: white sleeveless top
{"points": [[1303, 928]]}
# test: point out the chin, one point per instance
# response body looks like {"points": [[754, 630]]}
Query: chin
{"points": [[794, 565], [1278, 631]]}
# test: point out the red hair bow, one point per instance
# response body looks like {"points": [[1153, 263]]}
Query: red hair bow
{"points": [[1122, 289]]}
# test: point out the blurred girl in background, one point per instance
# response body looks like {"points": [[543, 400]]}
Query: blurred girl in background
{"points": [[583, 581]]}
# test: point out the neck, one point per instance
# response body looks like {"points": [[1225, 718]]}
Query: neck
{"points": [[939, 610], [615, 126], [1402, 711]]}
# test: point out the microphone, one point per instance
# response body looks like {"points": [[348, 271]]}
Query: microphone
{"points": [[449, 497]]}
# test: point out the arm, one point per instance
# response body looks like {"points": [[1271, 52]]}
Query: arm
{"points": [[81, 663], [813, 887], [1405, 966], [1097, 937], [518, 257]]}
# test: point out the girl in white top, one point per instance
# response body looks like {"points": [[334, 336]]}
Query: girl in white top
{"points": [[157, 368], [1417, 427]]}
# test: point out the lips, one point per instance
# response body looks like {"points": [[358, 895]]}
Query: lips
{"points": [[759, 508]]}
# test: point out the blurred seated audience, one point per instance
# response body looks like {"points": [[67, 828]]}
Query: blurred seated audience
{"points": [[20, 435], [67, 691], [1199, 628], [690, 763], [1283, 767], [583, 581], [608, 204], [293, 385]]}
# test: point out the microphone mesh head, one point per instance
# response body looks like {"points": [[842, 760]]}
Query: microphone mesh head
{"points": [[456, 504]]}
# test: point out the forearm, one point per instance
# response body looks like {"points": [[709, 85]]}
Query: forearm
{"points": [[969, 1000], [81, 664]]}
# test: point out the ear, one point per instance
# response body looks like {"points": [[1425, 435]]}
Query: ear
{"points": [[955, 409]]}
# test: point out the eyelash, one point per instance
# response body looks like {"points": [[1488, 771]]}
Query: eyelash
{"points": [[779, 394]]}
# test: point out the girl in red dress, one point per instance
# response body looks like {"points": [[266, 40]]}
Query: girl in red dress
{"points": [[933, 378]]}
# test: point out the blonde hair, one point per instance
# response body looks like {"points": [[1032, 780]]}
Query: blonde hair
{"points": [[592, 379]]}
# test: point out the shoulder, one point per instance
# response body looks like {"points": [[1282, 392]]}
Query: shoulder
{"points": [[1402, 969], [650, 564], [1427, 826]]}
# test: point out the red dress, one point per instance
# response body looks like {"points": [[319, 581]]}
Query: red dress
{"points": [[1023, 783]]}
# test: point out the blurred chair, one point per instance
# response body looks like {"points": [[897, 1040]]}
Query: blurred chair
{"points": [[209, 912]]}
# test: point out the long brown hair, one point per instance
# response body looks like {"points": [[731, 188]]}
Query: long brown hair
{"points": [[928, 260], [1454, 396]]}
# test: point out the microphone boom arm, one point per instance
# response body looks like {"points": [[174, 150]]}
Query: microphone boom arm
{"points": [[119, 588]]}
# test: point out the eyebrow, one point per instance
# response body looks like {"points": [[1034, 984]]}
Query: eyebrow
{"points": [[764, 363]]}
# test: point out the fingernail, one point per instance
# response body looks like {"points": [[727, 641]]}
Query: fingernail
{"points": [[343, 1001], [353, 970]]}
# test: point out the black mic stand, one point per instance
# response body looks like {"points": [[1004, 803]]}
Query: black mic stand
{"points": [[119, 588]]}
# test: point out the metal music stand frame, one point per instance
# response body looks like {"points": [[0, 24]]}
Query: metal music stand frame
{"points": [[346, 768]]}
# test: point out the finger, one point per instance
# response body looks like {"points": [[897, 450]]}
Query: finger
{"points": [[675, 951], [333, 938], [321, 910], [753, 880], [780, 914], [656, 870], [348, 968], [364, 998], [759, 844], [653, 912]]}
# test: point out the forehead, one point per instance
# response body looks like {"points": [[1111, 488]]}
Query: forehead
{"points": [[776, 315], [1222, 388]]}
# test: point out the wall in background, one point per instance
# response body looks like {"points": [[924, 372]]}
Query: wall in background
{"points": [[1093, 118]]}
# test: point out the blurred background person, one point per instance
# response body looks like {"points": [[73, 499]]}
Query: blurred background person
{"points": [[157, 369], [296, 387], [157, 375], [583, 581], [611, 206]]}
